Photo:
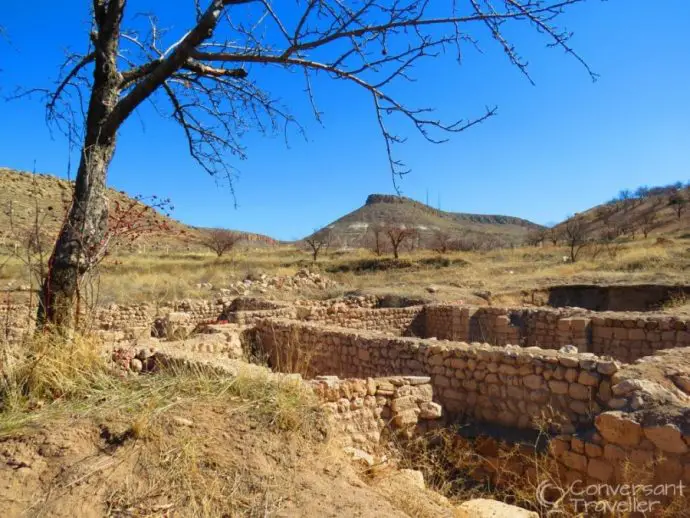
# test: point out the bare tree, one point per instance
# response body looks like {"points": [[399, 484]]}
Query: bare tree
{"points": [[376, 236], [441, 241], [608, 241], [220, 240], [576, 235], [647, 222], [397, 235], [209, 76], [555, 235], [606, 211], [627, 199], [679, 202], [537, 236], [318, 241]]}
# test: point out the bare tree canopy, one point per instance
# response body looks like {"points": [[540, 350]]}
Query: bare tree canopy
{"points": [[318, 242], [577, 235], [207, 79], [219, 240], [397, 235]]}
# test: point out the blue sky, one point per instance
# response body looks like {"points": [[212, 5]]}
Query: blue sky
{"points": [[555, 148]]}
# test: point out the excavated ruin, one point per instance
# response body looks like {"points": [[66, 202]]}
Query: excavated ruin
{"points": [[597, 392]]}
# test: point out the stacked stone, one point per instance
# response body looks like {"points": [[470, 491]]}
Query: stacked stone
{"points": [[526, 388], [501, 332], [574, 331], [250, 317], [625, 450], [626, 337], [629, 338], [396, 321], [523, 388], [363, 408], [446, 322]]}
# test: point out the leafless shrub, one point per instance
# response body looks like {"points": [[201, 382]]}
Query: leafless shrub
{"points": [[647, 222], [537, 236], [220, 240], [441, 241], [397, 235], [555, 235], [376, 237], [319, 241], [576, 235]]}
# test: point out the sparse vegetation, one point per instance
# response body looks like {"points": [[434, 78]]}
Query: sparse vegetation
{"points": [[220, 241], [319, 241]]}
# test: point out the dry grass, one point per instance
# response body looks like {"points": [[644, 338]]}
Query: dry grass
{"points": [[160, 277], [142, 421], [518, 475]]}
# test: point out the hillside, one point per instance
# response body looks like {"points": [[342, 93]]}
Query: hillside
{"points": [[653, 212], [477, 231], [28, 198]]}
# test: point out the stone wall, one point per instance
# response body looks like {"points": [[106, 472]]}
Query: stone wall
{"points": [[630, 337], [398, 321], [639, 434], [363, 409], [524, 388], [548, 329], [625, 337]]}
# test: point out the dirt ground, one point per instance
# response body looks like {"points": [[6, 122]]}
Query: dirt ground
{"points": [[199, 459]]}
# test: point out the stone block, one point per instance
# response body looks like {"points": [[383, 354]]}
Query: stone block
{"points": [[618, 429]]}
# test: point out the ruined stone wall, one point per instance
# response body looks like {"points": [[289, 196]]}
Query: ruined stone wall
{"points": [[397, 321], [548, 329], [643, 436], [363, 409], [645, 441], [623, 450], [625, 337], [129, 320], [630, 337], [524, 388]]}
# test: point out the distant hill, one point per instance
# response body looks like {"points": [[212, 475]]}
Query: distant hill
{"points": [[26, 196], [654, 211], [471, 230]]}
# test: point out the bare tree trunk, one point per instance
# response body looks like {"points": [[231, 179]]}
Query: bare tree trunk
{"points": [[82, 234]]}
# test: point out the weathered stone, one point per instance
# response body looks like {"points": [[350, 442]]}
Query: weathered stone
{"points": [[600, 469], [590, 379], [558, 387], [430, 410], [533, 382], [667, 438], [593, 450], [618, 429], [578, 391], [575, 461]]}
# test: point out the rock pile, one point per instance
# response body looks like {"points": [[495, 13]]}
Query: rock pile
{"points": [[304, 279]]}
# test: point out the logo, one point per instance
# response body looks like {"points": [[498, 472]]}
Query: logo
{"points": [[612, 500]]}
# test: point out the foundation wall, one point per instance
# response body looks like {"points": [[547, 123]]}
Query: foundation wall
{"points": [[625, 337], [524, 388]]}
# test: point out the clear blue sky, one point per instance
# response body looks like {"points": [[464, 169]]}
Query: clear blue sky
{"points": [[555, 148]]}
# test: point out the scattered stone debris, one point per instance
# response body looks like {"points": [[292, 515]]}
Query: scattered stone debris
{"points": [[304, 279]]}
